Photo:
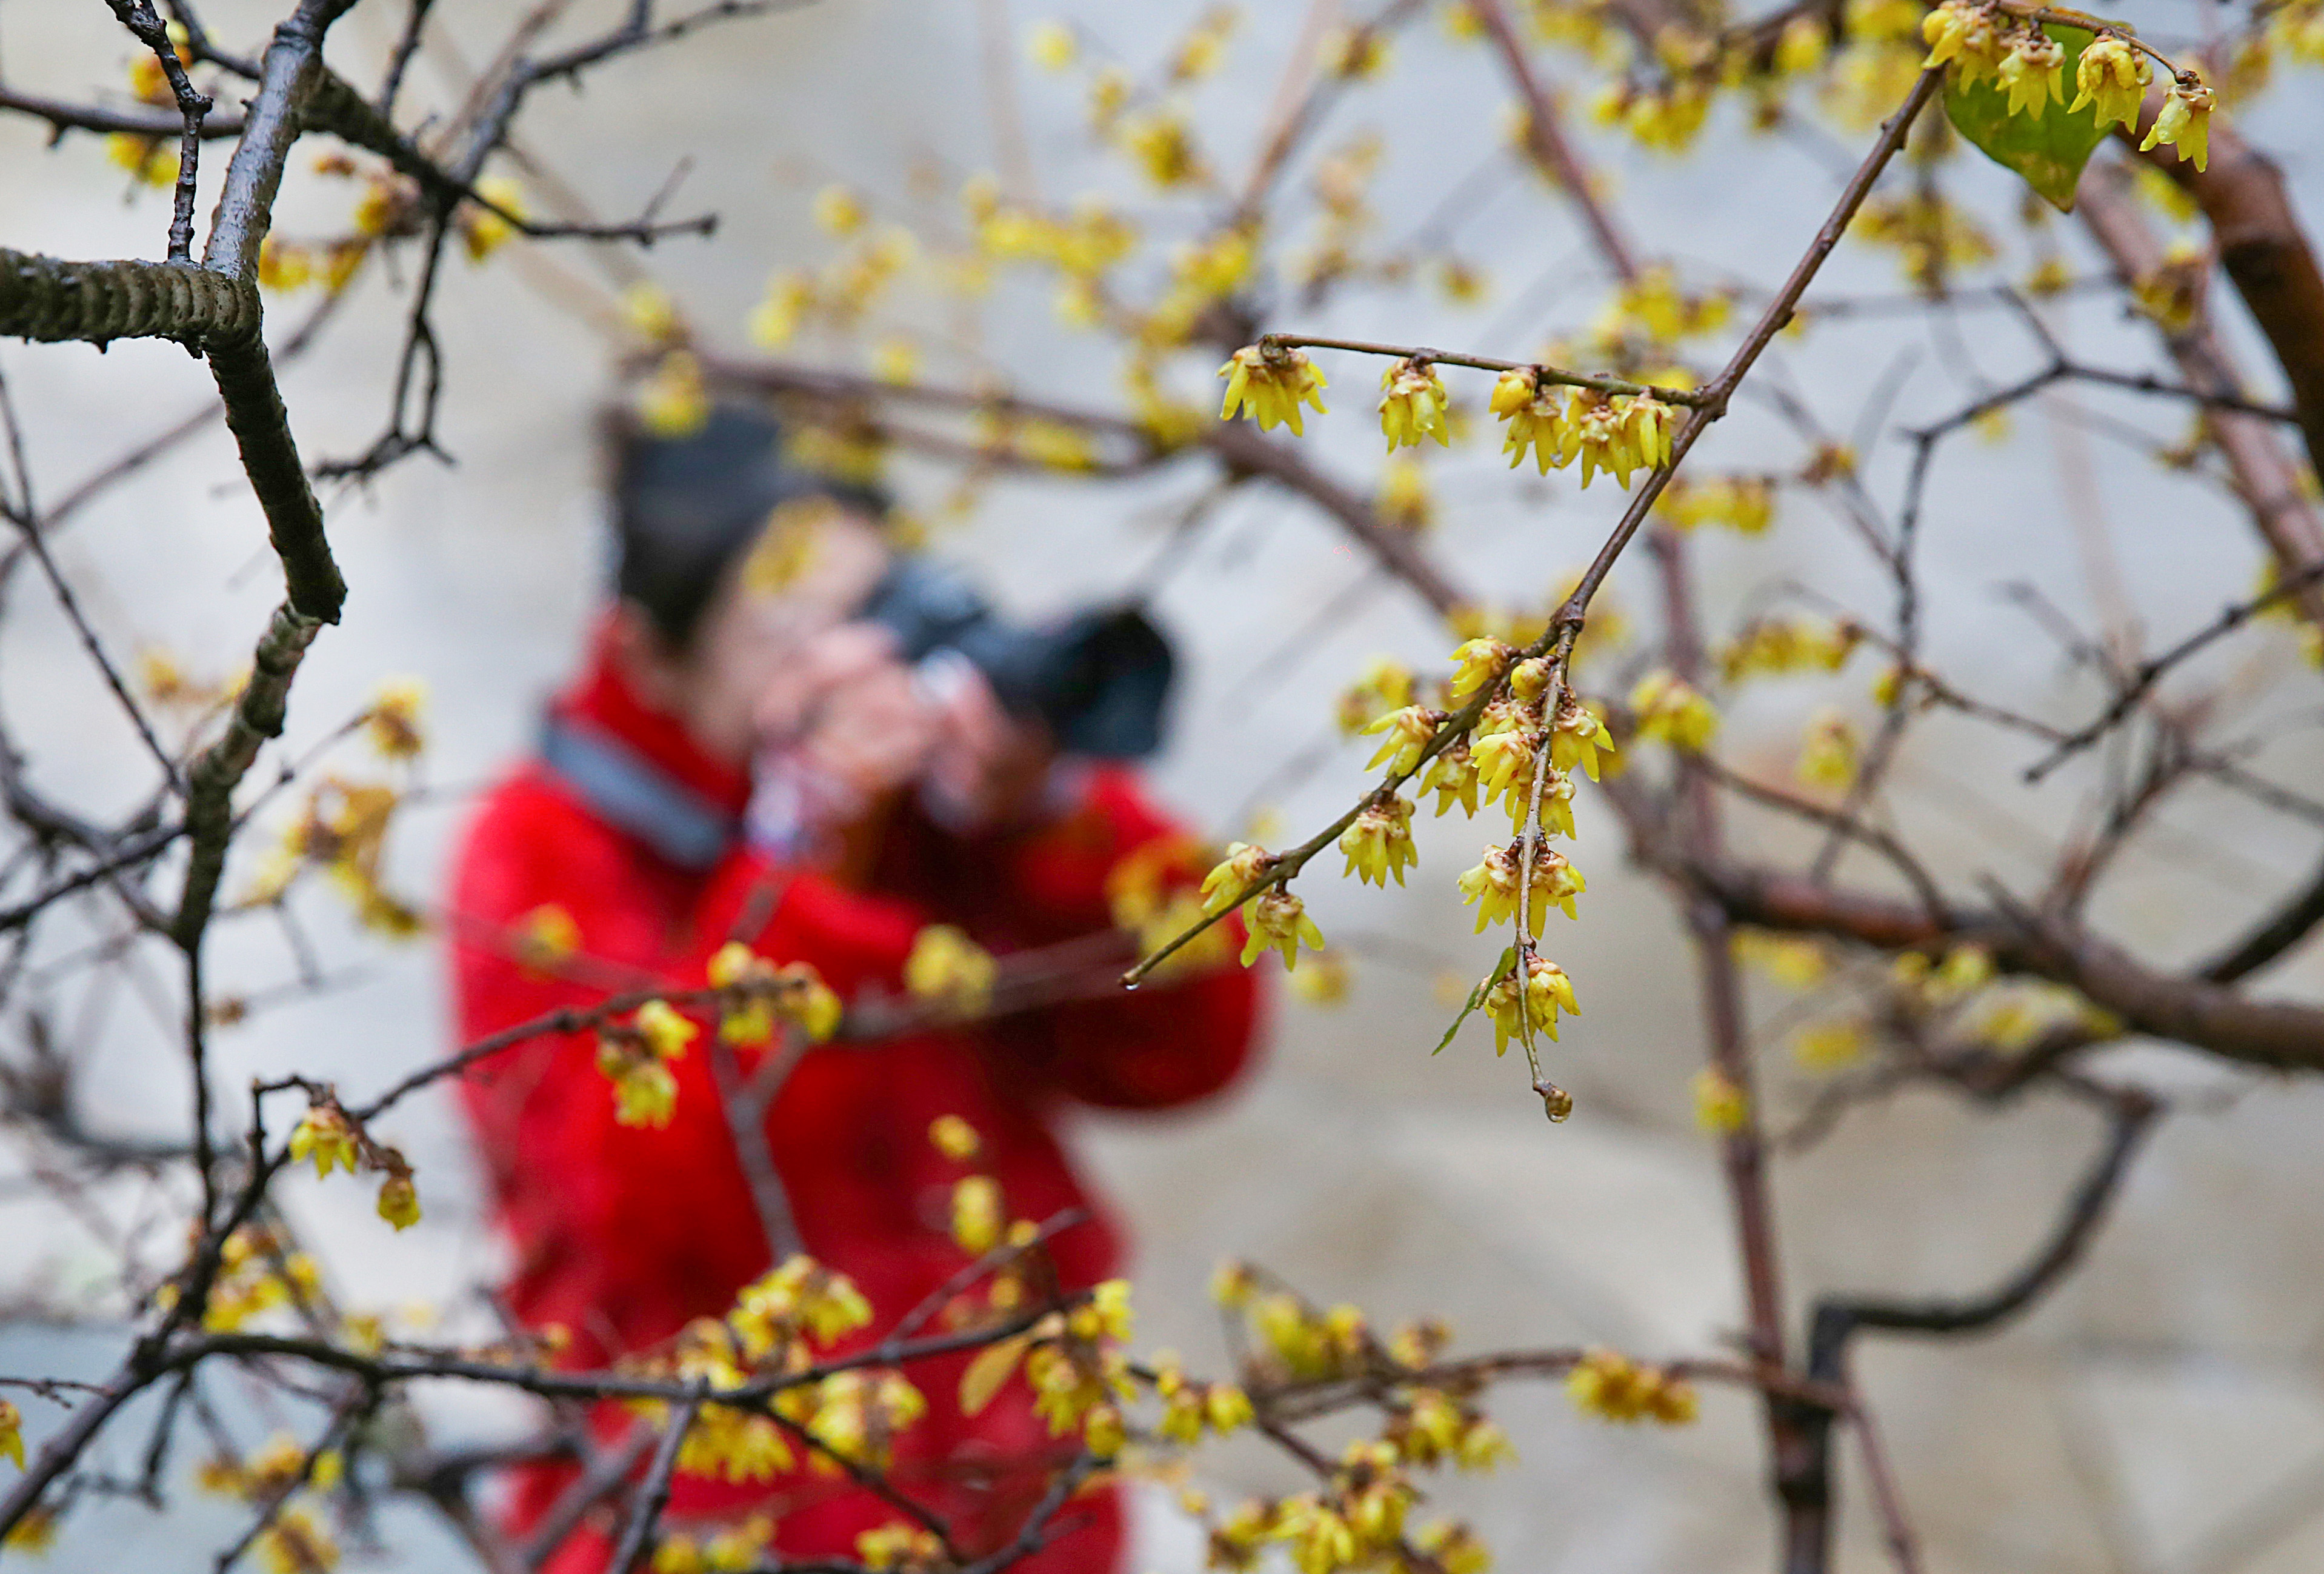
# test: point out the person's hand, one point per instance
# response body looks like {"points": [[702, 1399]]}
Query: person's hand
{"points": [[986, 769], [840, 727]]}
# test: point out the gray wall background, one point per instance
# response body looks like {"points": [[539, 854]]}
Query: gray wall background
{"points": [[2160, 1415]]}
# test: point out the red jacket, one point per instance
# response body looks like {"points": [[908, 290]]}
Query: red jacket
{"points": [[624, 1234]]}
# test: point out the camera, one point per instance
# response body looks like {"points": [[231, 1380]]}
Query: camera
{"points": [[1099, 678]]}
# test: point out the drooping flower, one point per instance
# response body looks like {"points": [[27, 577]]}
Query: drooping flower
{"points": [[2032, 72], [1379, 841], [1271, 382], [1534, 414], [2112, 75], [1279, 921], [1412, 405], [2185, 122]]}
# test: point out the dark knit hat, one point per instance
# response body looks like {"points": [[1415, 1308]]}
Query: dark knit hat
{"points": [[685, 508]]}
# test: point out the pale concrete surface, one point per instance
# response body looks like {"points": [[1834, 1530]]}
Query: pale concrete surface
{"points": [[2160, 1415]]}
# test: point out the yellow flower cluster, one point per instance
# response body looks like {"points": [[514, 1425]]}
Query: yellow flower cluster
{"points": [[1720, 1106], [12, 1432], [325, 1136], [1412, 405], [1673, 711], [1829, 1046], [1191, 1408], [1653, 305], [798, 1302], [1780, 645], [1744, 503], [754, 995], [392, 722], [1544, 992], [948, 969], [1616, 433], [1611, 1385], [1271, 382], [1163, 146], [1492, 884], [256, 1273], [1279, 921], [1830, 751], [899, 1547], [1379, 841], [1151, 894], [483, 230], [1300, 1341], [636, 1059], [739, 1546], [2112, 75]]}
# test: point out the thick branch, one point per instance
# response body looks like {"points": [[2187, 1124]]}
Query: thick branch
{"points": [[2266, 253], [2281, 1035], [51, 301]]}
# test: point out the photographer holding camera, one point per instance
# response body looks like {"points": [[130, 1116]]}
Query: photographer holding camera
{"points": [[787, 735]]}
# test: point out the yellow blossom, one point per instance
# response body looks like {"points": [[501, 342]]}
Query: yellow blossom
{"points": [[953, 1137], [2112, 75], [1961, 33], [1830, 751], [1403, 500], [1412, 405], [1164, 147], [838, 210], [392, 722], [284, 266], [1535, 414], [1052, 45], [1279, 921], [485, 231], [2185, 121], [1452, 777], [295, 1544], [1802, 46], [1673, 711], [947, 966], [325, 1136], [672, 400], [775, 320], [976, 1218], [666, 1032], [1827, 1046], [1611, 1386], [898, 1546], [399, 1200], [1719, 1106], [1581, 737], [1794, 961], [2032, 72], [1406, 733], [645, 1093], [1476, 664], [1231, 880], [1271, 382], [152, 159], [1379, 841], [1545, 991], [12, 1432]]}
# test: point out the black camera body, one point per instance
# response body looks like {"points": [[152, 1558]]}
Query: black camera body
{"points": [[1099, 679]]}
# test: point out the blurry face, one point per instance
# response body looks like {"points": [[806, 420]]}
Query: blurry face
{"points": [[763, 632]]}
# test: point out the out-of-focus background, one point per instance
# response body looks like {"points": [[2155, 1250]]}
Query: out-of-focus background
{"points": [[2163, 1413]]}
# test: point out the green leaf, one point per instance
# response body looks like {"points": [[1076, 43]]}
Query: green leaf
{"points": [[2048, 149], [1501, 969]]}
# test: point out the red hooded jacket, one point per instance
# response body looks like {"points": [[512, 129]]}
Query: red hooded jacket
{"points": [[623, 1234]]}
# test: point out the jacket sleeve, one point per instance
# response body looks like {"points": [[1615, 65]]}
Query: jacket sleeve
{"points": [[1174, 1040]]}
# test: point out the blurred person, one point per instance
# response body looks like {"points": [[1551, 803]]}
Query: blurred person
{"points": [[744, 756]]}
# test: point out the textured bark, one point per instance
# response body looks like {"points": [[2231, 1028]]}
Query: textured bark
{"points": [[51, 300]]}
